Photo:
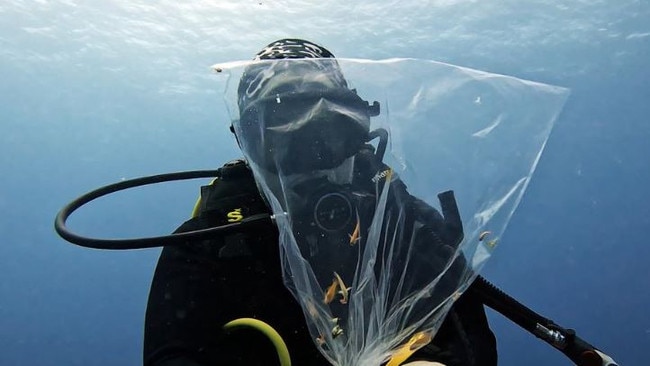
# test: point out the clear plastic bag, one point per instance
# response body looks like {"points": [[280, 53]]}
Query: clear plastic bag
{"points": [[391, 182]]}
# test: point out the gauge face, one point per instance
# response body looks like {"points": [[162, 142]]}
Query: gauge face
{"points": [[333, 212]]}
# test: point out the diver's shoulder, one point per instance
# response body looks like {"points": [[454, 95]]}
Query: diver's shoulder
{"points": [[235, 162], [235, 169]]}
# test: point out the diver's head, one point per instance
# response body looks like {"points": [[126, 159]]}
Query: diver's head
{"points": [[296, 111]]}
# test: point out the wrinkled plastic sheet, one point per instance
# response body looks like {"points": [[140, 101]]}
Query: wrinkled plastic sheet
{"points": [[453, 132]]}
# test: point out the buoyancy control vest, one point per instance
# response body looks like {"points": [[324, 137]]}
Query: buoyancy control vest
{"points": [[231, 197]]}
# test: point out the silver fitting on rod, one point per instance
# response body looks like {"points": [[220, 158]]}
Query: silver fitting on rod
{"points": [[556, 338]]}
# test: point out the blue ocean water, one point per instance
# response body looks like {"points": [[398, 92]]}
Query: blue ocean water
{"points": [[95, 93]]}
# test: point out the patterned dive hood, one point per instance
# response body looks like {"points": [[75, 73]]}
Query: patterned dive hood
{"points": [[261, 80], [292, 48]]}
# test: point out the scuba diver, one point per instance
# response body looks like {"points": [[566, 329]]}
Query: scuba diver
{"points": [[199, 287], [313, 244]]}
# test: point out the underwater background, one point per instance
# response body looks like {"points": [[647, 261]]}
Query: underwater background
{"points": [[97, 92]]}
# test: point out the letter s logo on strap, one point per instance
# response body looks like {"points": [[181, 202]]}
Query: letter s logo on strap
{"points": [[235, 215]]}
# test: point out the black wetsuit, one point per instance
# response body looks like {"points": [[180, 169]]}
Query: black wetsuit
{"points": [[199, 287]]}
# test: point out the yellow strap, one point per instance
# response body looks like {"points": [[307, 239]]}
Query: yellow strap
{"points": [[197, 205], [268, 331]]}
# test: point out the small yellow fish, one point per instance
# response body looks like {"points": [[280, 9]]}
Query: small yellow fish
{"points": [[337, 331], [331, 291], [320, 340], [344, 291], [492, 243], [355, 236], [419, 340], [416, 342], [483, 235]]}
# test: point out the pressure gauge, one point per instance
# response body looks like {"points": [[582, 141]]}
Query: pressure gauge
{"points": [[333, 211]]}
